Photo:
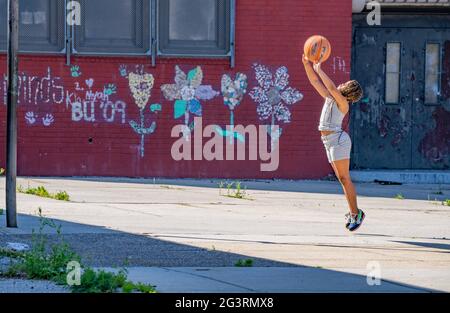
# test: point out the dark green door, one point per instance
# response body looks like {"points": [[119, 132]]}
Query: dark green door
{"points": [[403, 120]]}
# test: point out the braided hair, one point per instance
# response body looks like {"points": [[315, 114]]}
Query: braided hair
{"points": [[352, 91]]}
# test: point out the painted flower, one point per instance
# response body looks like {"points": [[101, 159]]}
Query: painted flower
{"points": [[187, 91], [141, 87], [273, 96], [233, 91]]}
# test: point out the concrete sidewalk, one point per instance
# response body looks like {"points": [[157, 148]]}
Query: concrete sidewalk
{"points": [[186, 235], [261, 280]]}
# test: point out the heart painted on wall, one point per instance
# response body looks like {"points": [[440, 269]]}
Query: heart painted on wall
{"points": [[90, 82]]}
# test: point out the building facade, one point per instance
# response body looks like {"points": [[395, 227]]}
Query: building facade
{"points": [[403, 122], [101, 91]]}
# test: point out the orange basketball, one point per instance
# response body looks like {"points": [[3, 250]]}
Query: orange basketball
{"points": [[317, 49]]}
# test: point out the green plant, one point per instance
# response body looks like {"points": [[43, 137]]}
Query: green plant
{"points": [[2, 171], [107, 282], [1, 211], [234, 190], [399, 196], [50, 263], [10, 253], [41, 191], [43, 261], [446, 202], [62, 195], [221, 185], [244, 263]]}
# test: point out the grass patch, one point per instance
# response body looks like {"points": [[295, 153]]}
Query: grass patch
{"points": [[446, 202], [234, 190], [50, 262], [244, 263], [41, 191], [399, 196], [10, 253]]}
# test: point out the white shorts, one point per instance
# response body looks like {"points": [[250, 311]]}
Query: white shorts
{"points": [[337, 146]]}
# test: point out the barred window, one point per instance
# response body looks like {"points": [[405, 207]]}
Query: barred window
{"points": [[113, 26], [194, 27], [41, 25], [126, 27]]}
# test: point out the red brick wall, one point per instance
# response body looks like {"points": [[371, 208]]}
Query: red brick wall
{"points": [[267, 32]]}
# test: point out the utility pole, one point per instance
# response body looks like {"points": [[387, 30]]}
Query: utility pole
{"points": [[11, 122]]}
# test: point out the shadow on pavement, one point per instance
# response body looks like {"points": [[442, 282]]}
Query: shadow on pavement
{"points": [[440, 246], [102, 247]]}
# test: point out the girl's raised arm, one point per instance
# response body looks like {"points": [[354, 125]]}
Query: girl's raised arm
{"points": [[332, 89], [314, 79]]}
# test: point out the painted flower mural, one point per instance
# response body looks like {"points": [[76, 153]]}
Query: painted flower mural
{"points": [[187, 93], [273, 97], [233, 92], [141, 86]]}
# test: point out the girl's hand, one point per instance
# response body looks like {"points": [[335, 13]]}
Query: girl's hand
{"points": [[305, 60], [317, 67]]}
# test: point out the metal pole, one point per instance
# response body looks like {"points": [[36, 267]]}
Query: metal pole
{"points": [[11, 124]]}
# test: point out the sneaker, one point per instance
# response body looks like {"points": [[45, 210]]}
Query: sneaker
{"points": [[348, 217], [356, 221]]}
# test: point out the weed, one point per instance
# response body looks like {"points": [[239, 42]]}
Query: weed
{"points": [[10, 253], [399, 196], [62, 196], [446, 202], [40, 191], [2, 171], [50, 263], [234, 190], [244, 263]]}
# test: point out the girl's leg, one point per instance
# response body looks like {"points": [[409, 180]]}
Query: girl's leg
{"points": [[342, 170]]}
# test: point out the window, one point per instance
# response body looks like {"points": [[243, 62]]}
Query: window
{"points": [[3, 23], [194, 27], [190, 28], [392, 72], [113, 26], [432, 73], [41, 25]]}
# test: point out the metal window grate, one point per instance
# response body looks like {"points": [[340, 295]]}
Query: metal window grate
{"points": [[191, 28], [124, 27], [41, 26], [129, 34]]}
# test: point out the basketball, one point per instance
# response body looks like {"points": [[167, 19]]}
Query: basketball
{"points": [[317, 49]]}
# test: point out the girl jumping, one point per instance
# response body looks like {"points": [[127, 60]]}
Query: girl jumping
{"points": [[336, 141]]}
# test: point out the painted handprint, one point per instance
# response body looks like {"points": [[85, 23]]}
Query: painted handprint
{"points": [[75, 70], [110, 89], [48, 120], [123, 70], [30, 118]]}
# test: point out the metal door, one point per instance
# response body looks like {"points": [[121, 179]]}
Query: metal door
{"points": [[403, 120]]}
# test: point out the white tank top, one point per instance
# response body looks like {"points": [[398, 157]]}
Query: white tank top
{"points": [[331, 117]]}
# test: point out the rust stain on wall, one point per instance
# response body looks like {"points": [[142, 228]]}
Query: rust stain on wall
{"points": [[435, 145]]}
